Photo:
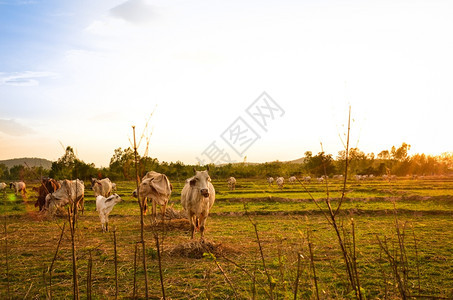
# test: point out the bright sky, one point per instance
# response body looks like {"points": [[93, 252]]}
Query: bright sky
{"points": [[81, 73]]}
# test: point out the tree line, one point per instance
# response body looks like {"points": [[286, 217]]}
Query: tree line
{"points": [[395, 161]]}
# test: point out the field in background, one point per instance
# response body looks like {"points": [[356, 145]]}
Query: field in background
{"points": [[284, 217]]}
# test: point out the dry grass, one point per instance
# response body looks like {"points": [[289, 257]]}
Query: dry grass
{"points": [[197, 249]]}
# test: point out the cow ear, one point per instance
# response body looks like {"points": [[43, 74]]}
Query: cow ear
{"points": [[193, 182]]}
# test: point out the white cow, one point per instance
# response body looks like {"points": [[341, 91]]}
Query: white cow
{"points": [[197, 198], [104, 206], [292, 179], [70, 192], [232, 183], [19, 187], [280, 181], [101, 187], [157, 187], [2, 186], [307, 178], [270, 180]]}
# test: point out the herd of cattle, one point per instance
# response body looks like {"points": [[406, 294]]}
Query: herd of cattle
{"points": [[197, 195]]}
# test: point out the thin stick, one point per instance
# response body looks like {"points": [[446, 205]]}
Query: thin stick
{"points": [[224, 275], [296, 284], [343, 193], [28, 291], [54, 259], [71, 216], [159, 258], [417, 261], [6, 257], [135, 272], [116, 263], [89, 272], [354, 259], [252, 276], [142, 224], [312, 260], [269, 279]]}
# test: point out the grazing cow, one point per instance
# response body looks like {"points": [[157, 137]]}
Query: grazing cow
{"points": [[48, 185], [197, 198], [101, 187], [270, 180], [280, 181], [232, 183], [157, 187], [104, 206], [70, 192], [292, 179], [307, 178], [2, 186], [19, 187], [320, 179]]}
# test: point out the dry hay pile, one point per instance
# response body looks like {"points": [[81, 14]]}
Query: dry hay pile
{"points": [[171, 213], [196, 249], [177, 224]]}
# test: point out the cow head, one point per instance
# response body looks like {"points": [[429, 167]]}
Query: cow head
{"points": [[200, 181], [94, 181], [115, 198]]}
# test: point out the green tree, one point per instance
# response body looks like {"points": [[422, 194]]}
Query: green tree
{"points": [[122, 163], [4, 172]]}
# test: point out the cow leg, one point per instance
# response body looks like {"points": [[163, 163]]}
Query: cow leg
{"points": [[192, 224], [154, 210], [202, 222], [82, 204], [163, 209]]}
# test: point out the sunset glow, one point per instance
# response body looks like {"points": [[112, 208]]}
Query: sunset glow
{"points": [[82, 73]]}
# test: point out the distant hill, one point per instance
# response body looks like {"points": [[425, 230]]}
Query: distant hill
{"points": [[27, 161], [297, 161]]}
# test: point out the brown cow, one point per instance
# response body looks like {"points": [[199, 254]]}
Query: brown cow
{"points": [[48, 185]]}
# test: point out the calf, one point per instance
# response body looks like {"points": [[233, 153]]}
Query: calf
{"points": [[104, 206]]}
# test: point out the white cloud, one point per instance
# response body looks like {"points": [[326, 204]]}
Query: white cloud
{"points": [[134, 11], [27, 78], [13, 128]]}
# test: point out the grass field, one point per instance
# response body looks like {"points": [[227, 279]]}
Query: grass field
{"points": [[284, 218]]}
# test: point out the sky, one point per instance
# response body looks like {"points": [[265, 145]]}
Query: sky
{"points": [[224, 81]]}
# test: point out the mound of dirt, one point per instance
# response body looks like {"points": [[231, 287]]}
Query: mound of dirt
{"points": [[196, 249]]}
